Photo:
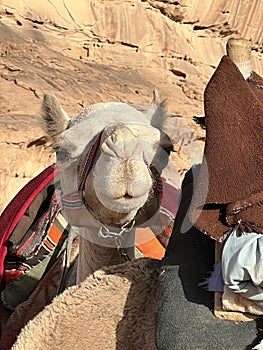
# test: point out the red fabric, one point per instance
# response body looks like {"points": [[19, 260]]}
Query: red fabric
{"points": [[170, 198], [18, 206]]}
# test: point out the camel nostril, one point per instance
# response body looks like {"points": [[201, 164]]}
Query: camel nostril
{"points": [[127, 196]]}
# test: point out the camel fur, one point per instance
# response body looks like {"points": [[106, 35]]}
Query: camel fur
{"points": [[119, 190], [112, 309]]}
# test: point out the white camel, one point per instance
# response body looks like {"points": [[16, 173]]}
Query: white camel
{"points": [[111, 157], [114, 308]]}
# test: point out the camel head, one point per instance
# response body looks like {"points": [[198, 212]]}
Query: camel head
{"points": [[130, 156]]}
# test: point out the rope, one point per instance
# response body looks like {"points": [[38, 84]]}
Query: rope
{"points": [[66, 261]]}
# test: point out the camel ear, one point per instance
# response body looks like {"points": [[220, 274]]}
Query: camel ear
{"points": [[156, 111], [54, 119], [155, 104], [156, 100]]}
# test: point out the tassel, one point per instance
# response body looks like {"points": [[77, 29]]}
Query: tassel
{"points": [[215, 282]]}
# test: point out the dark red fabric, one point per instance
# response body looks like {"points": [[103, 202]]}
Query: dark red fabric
{"points": [[170, 198], [17, 207]]}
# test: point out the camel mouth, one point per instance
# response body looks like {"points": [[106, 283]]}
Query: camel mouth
{"points": [[127, 196], [129, 202], [124, 204]]}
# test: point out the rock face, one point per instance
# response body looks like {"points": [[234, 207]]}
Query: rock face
{"points": [[93, 51]]}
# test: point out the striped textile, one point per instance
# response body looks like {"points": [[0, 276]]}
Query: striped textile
{"points": [[16, 209], [37, 243]]}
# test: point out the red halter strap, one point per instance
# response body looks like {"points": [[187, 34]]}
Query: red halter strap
{"points": [[73, 200], [88, 162]]}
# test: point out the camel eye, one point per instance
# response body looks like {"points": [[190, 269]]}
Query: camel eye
{"points": [[113, 138], [62, 155], [166, 143], [169, 149]]}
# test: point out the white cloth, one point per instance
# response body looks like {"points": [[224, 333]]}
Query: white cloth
{"points": [[242, 265]]}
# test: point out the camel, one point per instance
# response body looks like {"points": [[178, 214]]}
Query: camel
{"points": [[114, 308], [109, 185], [120, 188]]}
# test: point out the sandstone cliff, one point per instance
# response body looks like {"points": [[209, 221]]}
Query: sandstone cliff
{"points": [[92, 51]]}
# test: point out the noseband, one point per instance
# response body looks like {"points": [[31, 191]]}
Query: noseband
{"points": [[74, 200]]}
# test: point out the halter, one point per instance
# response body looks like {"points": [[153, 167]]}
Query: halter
{"points": [[89, 162], [74, 200]]}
